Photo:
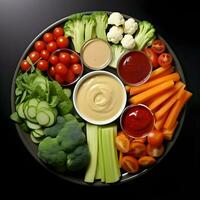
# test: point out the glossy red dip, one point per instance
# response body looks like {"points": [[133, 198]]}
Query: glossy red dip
{"points": [[134, 67], [137, 121]]}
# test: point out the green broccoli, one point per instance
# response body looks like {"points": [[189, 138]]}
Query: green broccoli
{"points": [[71, 136], [50, 152], [101, 24], [78, 159], [144, 35], [75, 28]]}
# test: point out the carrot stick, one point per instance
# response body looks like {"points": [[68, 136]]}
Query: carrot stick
{"points": [[159, 123], [156, 75], [148, 94], [176, 109], [168, 133], [166, 95], [138, 89]]}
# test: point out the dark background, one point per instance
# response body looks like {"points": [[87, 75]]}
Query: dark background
{"points": [[22, 20]]}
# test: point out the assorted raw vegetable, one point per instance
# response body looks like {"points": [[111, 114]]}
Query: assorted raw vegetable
{"points": [[45, 111]]}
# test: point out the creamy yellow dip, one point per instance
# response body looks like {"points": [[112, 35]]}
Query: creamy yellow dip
{"points": [[100, 97]]}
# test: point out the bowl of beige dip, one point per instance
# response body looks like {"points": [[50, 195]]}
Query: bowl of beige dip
{"points": [[99, 97]]}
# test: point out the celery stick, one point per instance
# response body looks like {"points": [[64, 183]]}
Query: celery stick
{"points": [[102, 162], [92, 140]]}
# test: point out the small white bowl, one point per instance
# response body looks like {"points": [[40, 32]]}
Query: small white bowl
{"points": [[92, 121]]}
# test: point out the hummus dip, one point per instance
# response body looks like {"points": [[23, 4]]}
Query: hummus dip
{"points": [[100, 97]]}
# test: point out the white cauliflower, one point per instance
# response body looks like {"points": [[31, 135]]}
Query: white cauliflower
{"points": [[115, 34], [130, 26], [116, 19], [128, 42]]}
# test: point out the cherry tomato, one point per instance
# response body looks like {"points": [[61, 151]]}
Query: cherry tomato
{"points": [[137, 149], [24, 65], [165, 60], [61, 69], [45, 54], [155, 138], [62, 41], [122, 143], [140, 139], [51, 46], [52, 71], [146, 161], [70, 77], [59, 78], [152, 56], [76, 68], [158, 46], [34, 56], [74, 58], [57, 32], [155, 151], [64, 58], [129, 164], [39, 45], [42, 65], [53, 59], [48, 37]]}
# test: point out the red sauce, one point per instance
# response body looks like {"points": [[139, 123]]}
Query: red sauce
{"points": [[134, 67], [137, 121]]}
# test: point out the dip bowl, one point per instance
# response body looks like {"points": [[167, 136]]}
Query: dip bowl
{"points": [[96, 99]]}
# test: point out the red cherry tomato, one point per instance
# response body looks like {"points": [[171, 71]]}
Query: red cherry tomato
{"points": [[52, 46], [42, 65], [39, 45], [129, 164], [155, 151], [70, 77], [64, 58], [74, 58], [58, 31], [48, 37], [52, 71], [59, 78], [155, 138], [61, 69], [45, 54], [152, 56], [76, 68], [34, 56], [165, 60], [158, 46], [62, 41], [24, 65], [53, 59]]}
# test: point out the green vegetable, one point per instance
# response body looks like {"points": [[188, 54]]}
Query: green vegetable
{"points": [[24, 127], [67, 92], [117, 51], [101, 24], [65, 107], [90, 24], [15, 117], [78, 159], [145, 35], [50, 152]]}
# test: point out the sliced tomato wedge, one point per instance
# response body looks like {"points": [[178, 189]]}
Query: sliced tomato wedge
{"points": [[137, 149], [158, 46], [129, 164], [155, 138], [122, 143], [146, 161], [155, 151], [165, 59], [152, 56]]}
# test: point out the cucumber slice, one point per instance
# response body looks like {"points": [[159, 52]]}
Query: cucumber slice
{"points": [[32, 125], [68, 92], [54, 101], [35, 140], [35, 134], [42, 118], [33, 102], [54, 110], [40, 132], [32, 112], [25, 108], [20, 111], [42, 104]]}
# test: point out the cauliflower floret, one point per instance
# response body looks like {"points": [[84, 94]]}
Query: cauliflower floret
{"points": [[128, 42], [116, 19], [115, 34], [130, 26]]}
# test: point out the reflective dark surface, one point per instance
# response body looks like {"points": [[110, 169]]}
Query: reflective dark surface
{"points": [[22, 20]]}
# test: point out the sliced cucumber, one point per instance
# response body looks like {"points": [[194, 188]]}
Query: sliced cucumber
{"points": [[33, 102], [35, 134], [32, 125], [40, 132], [35, 140], [42, 104], [31, 111], [25, 108], [68, 92], [50, 113], [42, 117], [20, 111]]}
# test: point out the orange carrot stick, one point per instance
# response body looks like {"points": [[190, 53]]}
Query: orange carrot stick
{"points": [[168, 133], [166, 95], [138, 89], [159, 75], [159, 123], [148, 94], [176, 109]]}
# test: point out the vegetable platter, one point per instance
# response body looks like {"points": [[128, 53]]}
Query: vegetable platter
{"points": [[99, 98]]}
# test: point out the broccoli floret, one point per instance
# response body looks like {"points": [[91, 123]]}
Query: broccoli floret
{"points": [[70, 136], [50, 152], [144, 35], [75, 28], [78, 159], [101, 24]]}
